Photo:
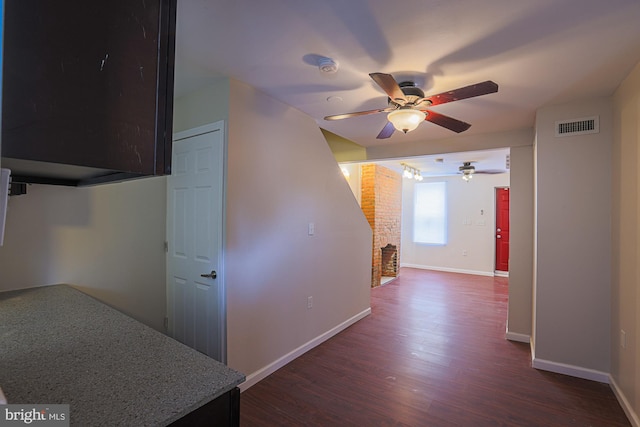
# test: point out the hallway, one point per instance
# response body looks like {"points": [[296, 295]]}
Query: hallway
{"points": [[432, 353]]}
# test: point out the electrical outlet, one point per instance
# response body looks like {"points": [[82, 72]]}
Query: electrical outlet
{"points": [[309, 302], [464, 252], [623, 338], [312, 229]]}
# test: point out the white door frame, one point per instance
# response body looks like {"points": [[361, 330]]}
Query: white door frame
{"points": [[220, 280]]}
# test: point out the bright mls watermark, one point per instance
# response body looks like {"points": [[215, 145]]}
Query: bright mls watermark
{"points": [[34, 415]]}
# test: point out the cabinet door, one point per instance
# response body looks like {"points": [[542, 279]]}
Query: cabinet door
{"points": [[89, 83], [221, 412]]}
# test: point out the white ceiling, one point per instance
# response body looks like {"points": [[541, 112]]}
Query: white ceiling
{"points": [[539, 52], [485, 161]]}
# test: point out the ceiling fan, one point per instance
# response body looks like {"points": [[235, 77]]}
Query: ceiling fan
{"points": [[408, 107], [468, 170]]}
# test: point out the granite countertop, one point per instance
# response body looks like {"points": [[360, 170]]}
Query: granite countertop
{"points": [[61, 346]]}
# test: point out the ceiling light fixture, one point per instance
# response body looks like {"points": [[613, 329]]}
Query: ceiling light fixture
{"points": [[406, 119], [410, 172]]}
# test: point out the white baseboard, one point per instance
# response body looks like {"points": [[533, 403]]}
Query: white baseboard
{"points": [[264, 372], [626, 406], [514, 336], [574, 371], [449, 270]]}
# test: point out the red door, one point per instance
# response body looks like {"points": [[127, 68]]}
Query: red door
{"points": [[502, 229]]}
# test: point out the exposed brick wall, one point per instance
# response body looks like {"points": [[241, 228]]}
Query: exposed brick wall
{"points": [[381, 201]]}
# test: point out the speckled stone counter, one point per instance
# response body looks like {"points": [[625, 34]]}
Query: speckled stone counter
{"points": [[60, 346]]}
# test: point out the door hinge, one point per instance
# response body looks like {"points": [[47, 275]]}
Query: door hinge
{"points": [[166, 246]]}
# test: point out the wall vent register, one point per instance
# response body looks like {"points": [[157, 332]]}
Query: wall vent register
{"points": [[581, 126]]}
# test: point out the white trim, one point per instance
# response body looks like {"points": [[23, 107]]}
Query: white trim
{"points": [[264, 372], [626, 406], [515, 336], [450, 270], [574, 371], [501, 273]]}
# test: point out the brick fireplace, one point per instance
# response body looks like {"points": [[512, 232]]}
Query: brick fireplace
{"points": [[389, 261], [381, 201]]}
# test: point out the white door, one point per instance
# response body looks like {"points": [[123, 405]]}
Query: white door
{"points": [[195, 200]]}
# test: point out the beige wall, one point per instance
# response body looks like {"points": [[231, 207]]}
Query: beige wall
{"points": [[456, 144], [354, 179], [625, 278], [573, 274], [106, 240], [521, 244], [202, 107], [281, 177]]}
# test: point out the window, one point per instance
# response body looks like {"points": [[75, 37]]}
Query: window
{"points": [[430, 213]]}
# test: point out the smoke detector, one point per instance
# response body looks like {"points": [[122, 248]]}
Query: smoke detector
{"points": [[327, 65]]}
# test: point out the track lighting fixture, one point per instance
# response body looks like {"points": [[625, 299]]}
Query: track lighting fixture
{"points": [[410, 172]]}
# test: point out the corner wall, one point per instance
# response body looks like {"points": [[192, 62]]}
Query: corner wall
{"points": [[107, 241], [625, 277], [573, 255], [521, 244]]}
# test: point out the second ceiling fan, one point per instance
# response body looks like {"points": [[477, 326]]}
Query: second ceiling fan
{"points": [[408, 107]]}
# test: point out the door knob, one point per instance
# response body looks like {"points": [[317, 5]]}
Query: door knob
{"points": [[499, 236], [211, 275], [498, 230]]}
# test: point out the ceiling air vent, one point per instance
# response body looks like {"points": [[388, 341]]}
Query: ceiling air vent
{"points": [[578, 126]]}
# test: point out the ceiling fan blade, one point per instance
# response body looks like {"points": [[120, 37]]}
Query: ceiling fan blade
{"points": [[491, 171], [386, 131], [446, 121], [477, 89], [358, 113], [390, 87]]}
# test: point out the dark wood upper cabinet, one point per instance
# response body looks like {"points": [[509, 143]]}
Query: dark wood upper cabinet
{"points": [[87, 91]]}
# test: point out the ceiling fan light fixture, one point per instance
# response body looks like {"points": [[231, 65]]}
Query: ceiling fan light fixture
{"points": [[467, 174], [406, 119]]}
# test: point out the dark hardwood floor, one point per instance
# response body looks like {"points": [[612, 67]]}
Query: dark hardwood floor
{"points": [[432, 353]]}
